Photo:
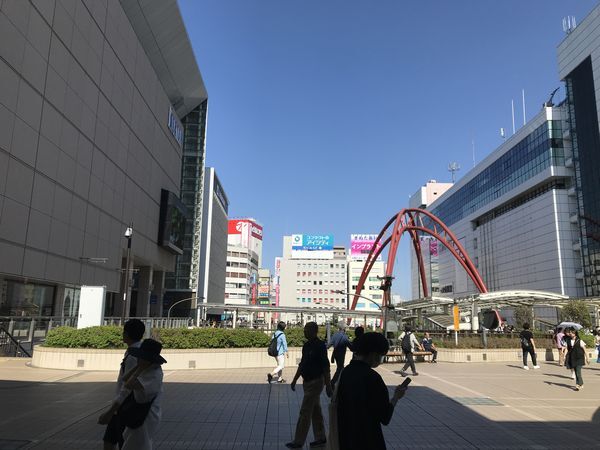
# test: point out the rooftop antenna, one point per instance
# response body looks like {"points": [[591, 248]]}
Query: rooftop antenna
{"points": [[453, 167], [512, 107], [524, 115], [502, 134], [473, 149], [569, 24]]}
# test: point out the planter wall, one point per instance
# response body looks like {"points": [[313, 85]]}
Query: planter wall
{"points": [[225, 358]]}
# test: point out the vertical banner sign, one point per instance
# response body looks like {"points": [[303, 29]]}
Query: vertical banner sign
{"points": [[456, 317]]}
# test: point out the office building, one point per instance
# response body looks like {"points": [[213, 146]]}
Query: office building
{"points": [[578, 56], [265, 287], [92, 95], [213, 243], [360, 246], [244, 251], [513, 213], [312, 271]]}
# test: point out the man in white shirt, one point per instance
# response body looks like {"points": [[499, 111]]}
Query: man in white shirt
{"points": [[409, 342], [133, 332]]}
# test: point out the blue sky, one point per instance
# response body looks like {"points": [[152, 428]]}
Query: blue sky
{"points": [[325, 115]]}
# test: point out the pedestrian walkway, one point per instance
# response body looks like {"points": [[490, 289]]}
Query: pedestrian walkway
{"points": [[449, 406]]}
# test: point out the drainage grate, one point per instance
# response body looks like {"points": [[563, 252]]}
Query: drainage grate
{"points": [[479, 401]]}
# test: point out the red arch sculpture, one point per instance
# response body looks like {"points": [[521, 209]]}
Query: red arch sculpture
{"points": [[413, 221]]}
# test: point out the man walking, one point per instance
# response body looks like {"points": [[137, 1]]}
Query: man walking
{"points": [[528, 347], [282, 349], [339, 342], [409, 342], [429, 346], [315, 372]]}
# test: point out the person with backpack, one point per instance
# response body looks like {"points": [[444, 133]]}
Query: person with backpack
{"points": [[577, 357], [278, 349], [528, 347], [339, 342], [408, 343]]}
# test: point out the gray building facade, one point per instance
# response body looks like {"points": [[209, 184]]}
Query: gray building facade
{"points": [[579, 67], [91, 96]]}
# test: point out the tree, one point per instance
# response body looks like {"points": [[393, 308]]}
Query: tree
{"points": [[577, 311], [523, 314]]}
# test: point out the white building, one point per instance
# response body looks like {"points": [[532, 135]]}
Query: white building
{"points": [[426, 195], [360, 246], [244, 251], [513, 214], [312, 271]]}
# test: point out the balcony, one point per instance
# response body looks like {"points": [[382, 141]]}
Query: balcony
{"points": [[574, 218]]}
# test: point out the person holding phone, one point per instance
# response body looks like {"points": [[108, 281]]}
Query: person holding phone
{"points": [[362, 401]]}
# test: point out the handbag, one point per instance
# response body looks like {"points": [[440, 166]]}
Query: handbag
{"points": [[132, 413]]}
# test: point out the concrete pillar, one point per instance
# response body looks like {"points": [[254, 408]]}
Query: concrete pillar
{"points": [[145, 287], [474, 317], [158, 291], [234, 320]]}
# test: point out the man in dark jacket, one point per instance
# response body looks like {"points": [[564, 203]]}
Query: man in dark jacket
{"points": [[315, 372], [339, 342], [363, 401]]}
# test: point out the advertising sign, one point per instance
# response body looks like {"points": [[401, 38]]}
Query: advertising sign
{"points": [[312, 246], [263, 291], [361, 245], [91, 306]]}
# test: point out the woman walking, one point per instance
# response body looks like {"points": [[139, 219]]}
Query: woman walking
{"points": [[577, 356]]}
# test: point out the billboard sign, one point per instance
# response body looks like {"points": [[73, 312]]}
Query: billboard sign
{"points": [[312, 246], [361, 245], [264, 290]]}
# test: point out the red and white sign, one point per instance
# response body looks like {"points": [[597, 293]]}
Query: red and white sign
{"points": [[361, 245], [245, 227]]}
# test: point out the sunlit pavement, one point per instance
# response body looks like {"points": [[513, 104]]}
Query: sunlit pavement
{"points": [[488, 405]]}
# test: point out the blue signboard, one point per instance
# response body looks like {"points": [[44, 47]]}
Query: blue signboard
{"points": [[312, 242]]}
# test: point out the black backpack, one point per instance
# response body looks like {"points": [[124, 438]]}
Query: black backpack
{"points": [[525, 342], [272, 350], [406, 347]]}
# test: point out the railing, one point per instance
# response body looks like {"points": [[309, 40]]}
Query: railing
{"points": [[155, 322], [10, 347], [30, 331]]}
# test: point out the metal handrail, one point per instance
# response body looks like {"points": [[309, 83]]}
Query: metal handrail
{"points": [[15, 342]]}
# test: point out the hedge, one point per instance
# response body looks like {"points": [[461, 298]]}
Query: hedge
{"points": [[92, 337]]}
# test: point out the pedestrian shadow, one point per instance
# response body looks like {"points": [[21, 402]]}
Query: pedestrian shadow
{"points": [[568, 386], [514, 367], [566, 377]]}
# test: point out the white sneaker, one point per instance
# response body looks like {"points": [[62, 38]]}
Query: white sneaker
{"points": [[572, 376], [536, 367], [526, 367]]}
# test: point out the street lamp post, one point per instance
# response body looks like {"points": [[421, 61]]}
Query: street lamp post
{"points": [[386, 287], [181, 301], [127, 277], [383, 308]]}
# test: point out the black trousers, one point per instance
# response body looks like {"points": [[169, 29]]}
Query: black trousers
{"points": [[526, 351], [410, 362], [339, 362]]}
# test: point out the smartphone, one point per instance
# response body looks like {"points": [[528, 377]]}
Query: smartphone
{"points": [[406, 382]]}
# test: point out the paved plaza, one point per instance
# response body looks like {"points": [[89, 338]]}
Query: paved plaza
{"points": [[449, 406]]}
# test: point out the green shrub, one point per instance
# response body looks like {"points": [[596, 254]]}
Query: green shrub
{"points": [[92, 337], [211, 338]]}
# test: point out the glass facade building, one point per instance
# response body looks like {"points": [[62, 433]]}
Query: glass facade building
{"points": [[529, 157], [583, 117], [192, 171]]}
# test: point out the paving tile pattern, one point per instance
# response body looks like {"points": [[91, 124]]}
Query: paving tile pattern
{"points": [[448, 406]]}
